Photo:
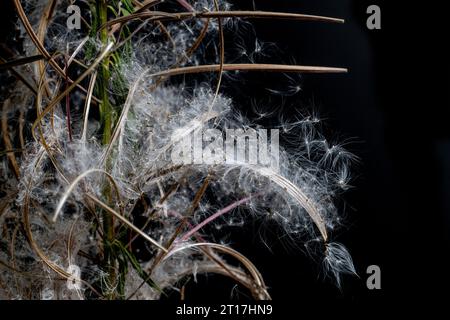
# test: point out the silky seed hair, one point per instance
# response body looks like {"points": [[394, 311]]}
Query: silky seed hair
{"points": [[94, 184]]}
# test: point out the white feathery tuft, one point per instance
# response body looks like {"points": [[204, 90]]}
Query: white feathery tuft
{"points": [[338, 262]]}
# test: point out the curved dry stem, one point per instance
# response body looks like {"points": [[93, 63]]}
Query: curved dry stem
{"points": [[12, 252], [26, 221], [249, 67], [21, 127], [184, 221], [70, 240], [56, 100], [41, 133], [215, 216], [161, 15], [77, 50], [7, 139], [21, 77], [295, 192], [20, 61], [125, 221], [221, 58], [38, 43], [121, 122], [188, 53], [183, 132], [42, 31], [208, 267], [74, 183], [87, 106], [256, 275]]}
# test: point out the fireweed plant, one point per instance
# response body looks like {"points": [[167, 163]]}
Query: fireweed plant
{"points": [[88, 130]]}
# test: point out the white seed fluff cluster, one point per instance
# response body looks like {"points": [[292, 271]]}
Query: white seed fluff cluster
{"points": [[51, 214]]}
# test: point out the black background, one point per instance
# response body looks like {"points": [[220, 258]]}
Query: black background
{"points": [[393, 104]]}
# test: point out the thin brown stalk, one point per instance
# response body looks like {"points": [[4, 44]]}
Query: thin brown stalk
{"points": [[68, 111], [123, 116], [87, 106], [166, 195], [7, 140], [42, 31], [147, 4], [258, 287], [125, 221], [41, 134], [56, 100], [248, 67], [7, 151], [189, 52], [221, 57], [38, 43], [21, 77], [77, 180], [20, 61], [70, 240], [21, 127], [29, 234], [161, 15], [13, 253]]}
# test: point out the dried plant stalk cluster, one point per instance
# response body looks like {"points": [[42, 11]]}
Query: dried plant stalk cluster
{"points": [[93, 205]]}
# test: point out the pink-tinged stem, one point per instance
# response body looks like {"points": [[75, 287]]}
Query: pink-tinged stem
{"points": [[215, 216], [176, 214], [69, 127], [186, 5]]}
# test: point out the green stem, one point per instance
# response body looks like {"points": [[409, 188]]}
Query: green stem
{"points": [[106, 120], [106, 110]]}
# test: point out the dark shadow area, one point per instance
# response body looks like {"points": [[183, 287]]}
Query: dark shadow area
{"points": [[391, 109]]}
